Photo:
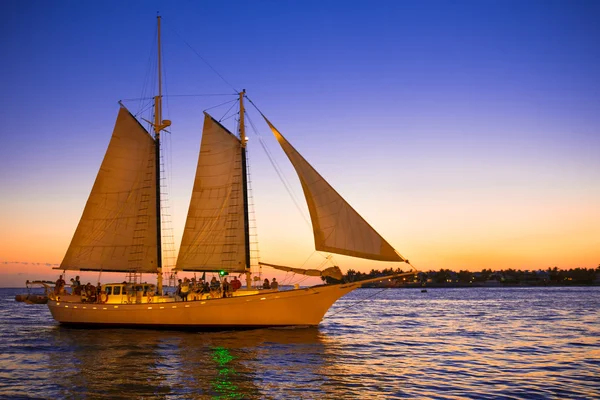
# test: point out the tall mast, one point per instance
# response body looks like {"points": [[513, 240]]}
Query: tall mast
{"points": [[245, 189], [159, 125]]}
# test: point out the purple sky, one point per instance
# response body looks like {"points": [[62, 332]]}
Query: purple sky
{"points": [[466, 132]]}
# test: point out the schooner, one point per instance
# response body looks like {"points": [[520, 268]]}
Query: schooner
{"points": [[120, 231]]}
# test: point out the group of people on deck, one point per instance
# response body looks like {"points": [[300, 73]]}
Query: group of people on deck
{"points": [[271, 285], [214, 288], [60, 286], [89, 293]]}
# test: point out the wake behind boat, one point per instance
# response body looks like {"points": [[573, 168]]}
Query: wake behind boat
{"points": [[121, 231]]}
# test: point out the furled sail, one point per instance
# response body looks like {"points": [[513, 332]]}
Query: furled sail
{"points": [[337, 227], [213, 237], [333, 272], [117, 231]]}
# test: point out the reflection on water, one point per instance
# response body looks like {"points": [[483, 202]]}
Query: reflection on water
{"points": [[447, 343], [229, 365], [223, 384]]}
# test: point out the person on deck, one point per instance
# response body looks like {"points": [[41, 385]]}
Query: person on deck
{"points": [[60, 285], [185, 289], [77, 283], [274, 284], [90, 292], [178, 292], [266, 284], [235, 284], [226, 288], [215, 288], [214, 284], [98, 292]]}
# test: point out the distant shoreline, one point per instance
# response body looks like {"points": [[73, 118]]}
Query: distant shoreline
{"points": [[478, 285], [435, 286]]}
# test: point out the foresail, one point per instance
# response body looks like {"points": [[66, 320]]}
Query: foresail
{"points": [[213, 237], [337, 227], [117, 231]]}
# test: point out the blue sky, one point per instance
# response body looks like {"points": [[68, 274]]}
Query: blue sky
{"points": [[465, 130]]}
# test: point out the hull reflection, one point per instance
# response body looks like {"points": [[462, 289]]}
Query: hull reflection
{"points": [[140, 363]]}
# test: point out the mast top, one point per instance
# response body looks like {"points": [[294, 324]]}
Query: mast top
{"points": [[242, 123], [159, 124]]}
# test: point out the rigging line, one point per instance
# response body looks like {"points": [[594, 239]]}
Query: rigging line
{"points": [[224, 117], [289, 277], [255, 106], [413, 267], [308, 258], [166, 152], [149, 70], [357, 302], [138, 99], [201, 95], [284, 181], [234, 101], [202, 58], [324, 261], [279, 172], [302, 279], [143, 110], [146, 97], [251, 208]]}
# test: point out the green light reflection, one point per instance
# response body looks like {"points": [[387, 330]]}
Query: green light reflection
{"points": [[222, 384]]}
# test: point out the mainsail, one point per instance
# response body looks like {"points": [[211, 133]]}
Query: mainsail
{"points": [[213, 237], [337, 227], [117, 231]]}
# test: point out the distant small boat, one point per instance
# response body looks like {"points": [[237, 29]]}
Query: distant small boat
{"points": [[423, 290], [32, 298]]}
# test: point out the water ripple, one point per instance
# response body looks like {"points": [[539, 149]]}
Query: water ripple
{"points": [[501, 343]]}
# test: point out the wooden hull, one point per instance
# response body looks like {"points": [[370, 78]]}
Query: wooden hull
{"points": [[301, 307]]}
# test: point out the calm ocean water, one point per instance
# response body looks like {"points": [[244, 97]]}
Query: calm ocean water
{"points": [[489, 343]]}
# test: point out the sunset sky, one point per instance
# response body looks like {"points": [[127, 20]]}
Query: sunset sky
{"points": [[467, 133]]}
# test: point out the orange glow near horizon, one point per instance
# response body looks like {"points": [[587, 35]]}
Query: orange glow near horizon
{"points": [[546, 239]]}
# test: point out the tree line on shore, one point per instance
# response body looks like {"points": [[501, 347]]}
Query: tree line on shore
{"points": [[485, 277]]}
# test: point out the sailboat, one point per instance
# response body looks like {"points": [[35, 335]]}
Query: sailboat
{"points": [[120, 231]]}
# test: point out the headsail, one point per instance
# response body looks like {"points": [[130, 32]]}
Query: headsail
{"points": [[213, 237], [337, 227], [117, 231]]}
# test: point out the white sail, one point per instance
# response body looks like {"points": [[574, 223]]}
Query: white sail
{"points": [[117, 231], [337, 227], [213, 237]]}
